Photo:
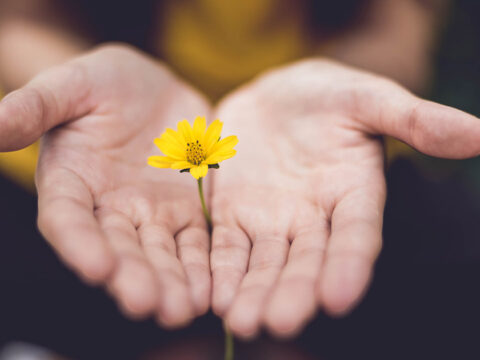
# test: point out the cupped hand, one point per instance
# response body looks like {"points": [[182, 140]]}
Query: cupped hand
{"points": [[114, 220], [298, 212]]}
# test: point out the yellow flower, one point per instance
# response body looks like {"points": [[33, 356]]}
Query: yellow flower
{"points": [[193, 149]]}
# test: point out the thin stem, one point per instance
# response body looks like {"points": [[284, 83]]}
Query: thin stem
{"points": [[229, 344], [204, 206]]}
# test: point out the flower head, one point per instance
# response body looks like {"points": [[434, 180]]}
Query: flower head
{"points": [[193, 149]]}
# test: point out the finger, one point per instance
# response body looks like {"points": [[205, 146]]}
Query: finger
{"points": [[292, 302], [175, 304], [354, 244], [229, 262], [268, 256], [133, 282], [193, 251], [51, 98], [67, 221], [431, 128]]}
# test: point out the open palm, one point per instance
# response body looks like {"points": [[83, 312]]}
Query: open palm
{"points": [[116, 221], [298, 213]]}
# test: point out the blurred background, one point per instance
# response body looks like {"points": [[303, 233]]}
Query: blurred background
{"points": [[423, 302]]}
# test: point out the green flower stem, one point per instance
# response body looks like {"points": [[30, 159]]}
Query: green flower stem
{"points": [[204, 206], [229, 343]]}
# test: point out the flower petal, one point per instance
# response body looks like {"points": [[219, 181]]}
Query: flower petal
{"points": [[213, 134], [171, 149], [199, 126], [223, 145], [217, 157], [182, 165], [199, 171], [160, 161], [185, 131], [174, 137]]}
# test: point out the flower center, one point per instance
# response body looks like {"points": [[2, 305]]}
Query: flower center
{"points": [[195, 153]]}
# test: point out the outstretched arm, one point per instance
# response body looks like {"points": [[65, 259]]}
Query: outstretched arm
{"points": [[112, 219], [35, 35], [394, 38], [298, 212]]}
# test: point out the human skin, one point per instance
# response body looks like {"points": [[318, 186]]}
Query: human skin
{"points": [[314, 127], [136, 230], [306, 189], [34, 35], [394, 38], [298, 212]]}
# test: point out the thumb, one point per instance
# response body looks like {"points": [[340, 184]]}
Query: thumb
{"points": [[50, 99], [431, 128]]}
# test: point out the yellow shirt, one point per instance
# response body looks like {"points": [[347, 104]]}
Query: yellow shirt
{"points": [[218, 45]]}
